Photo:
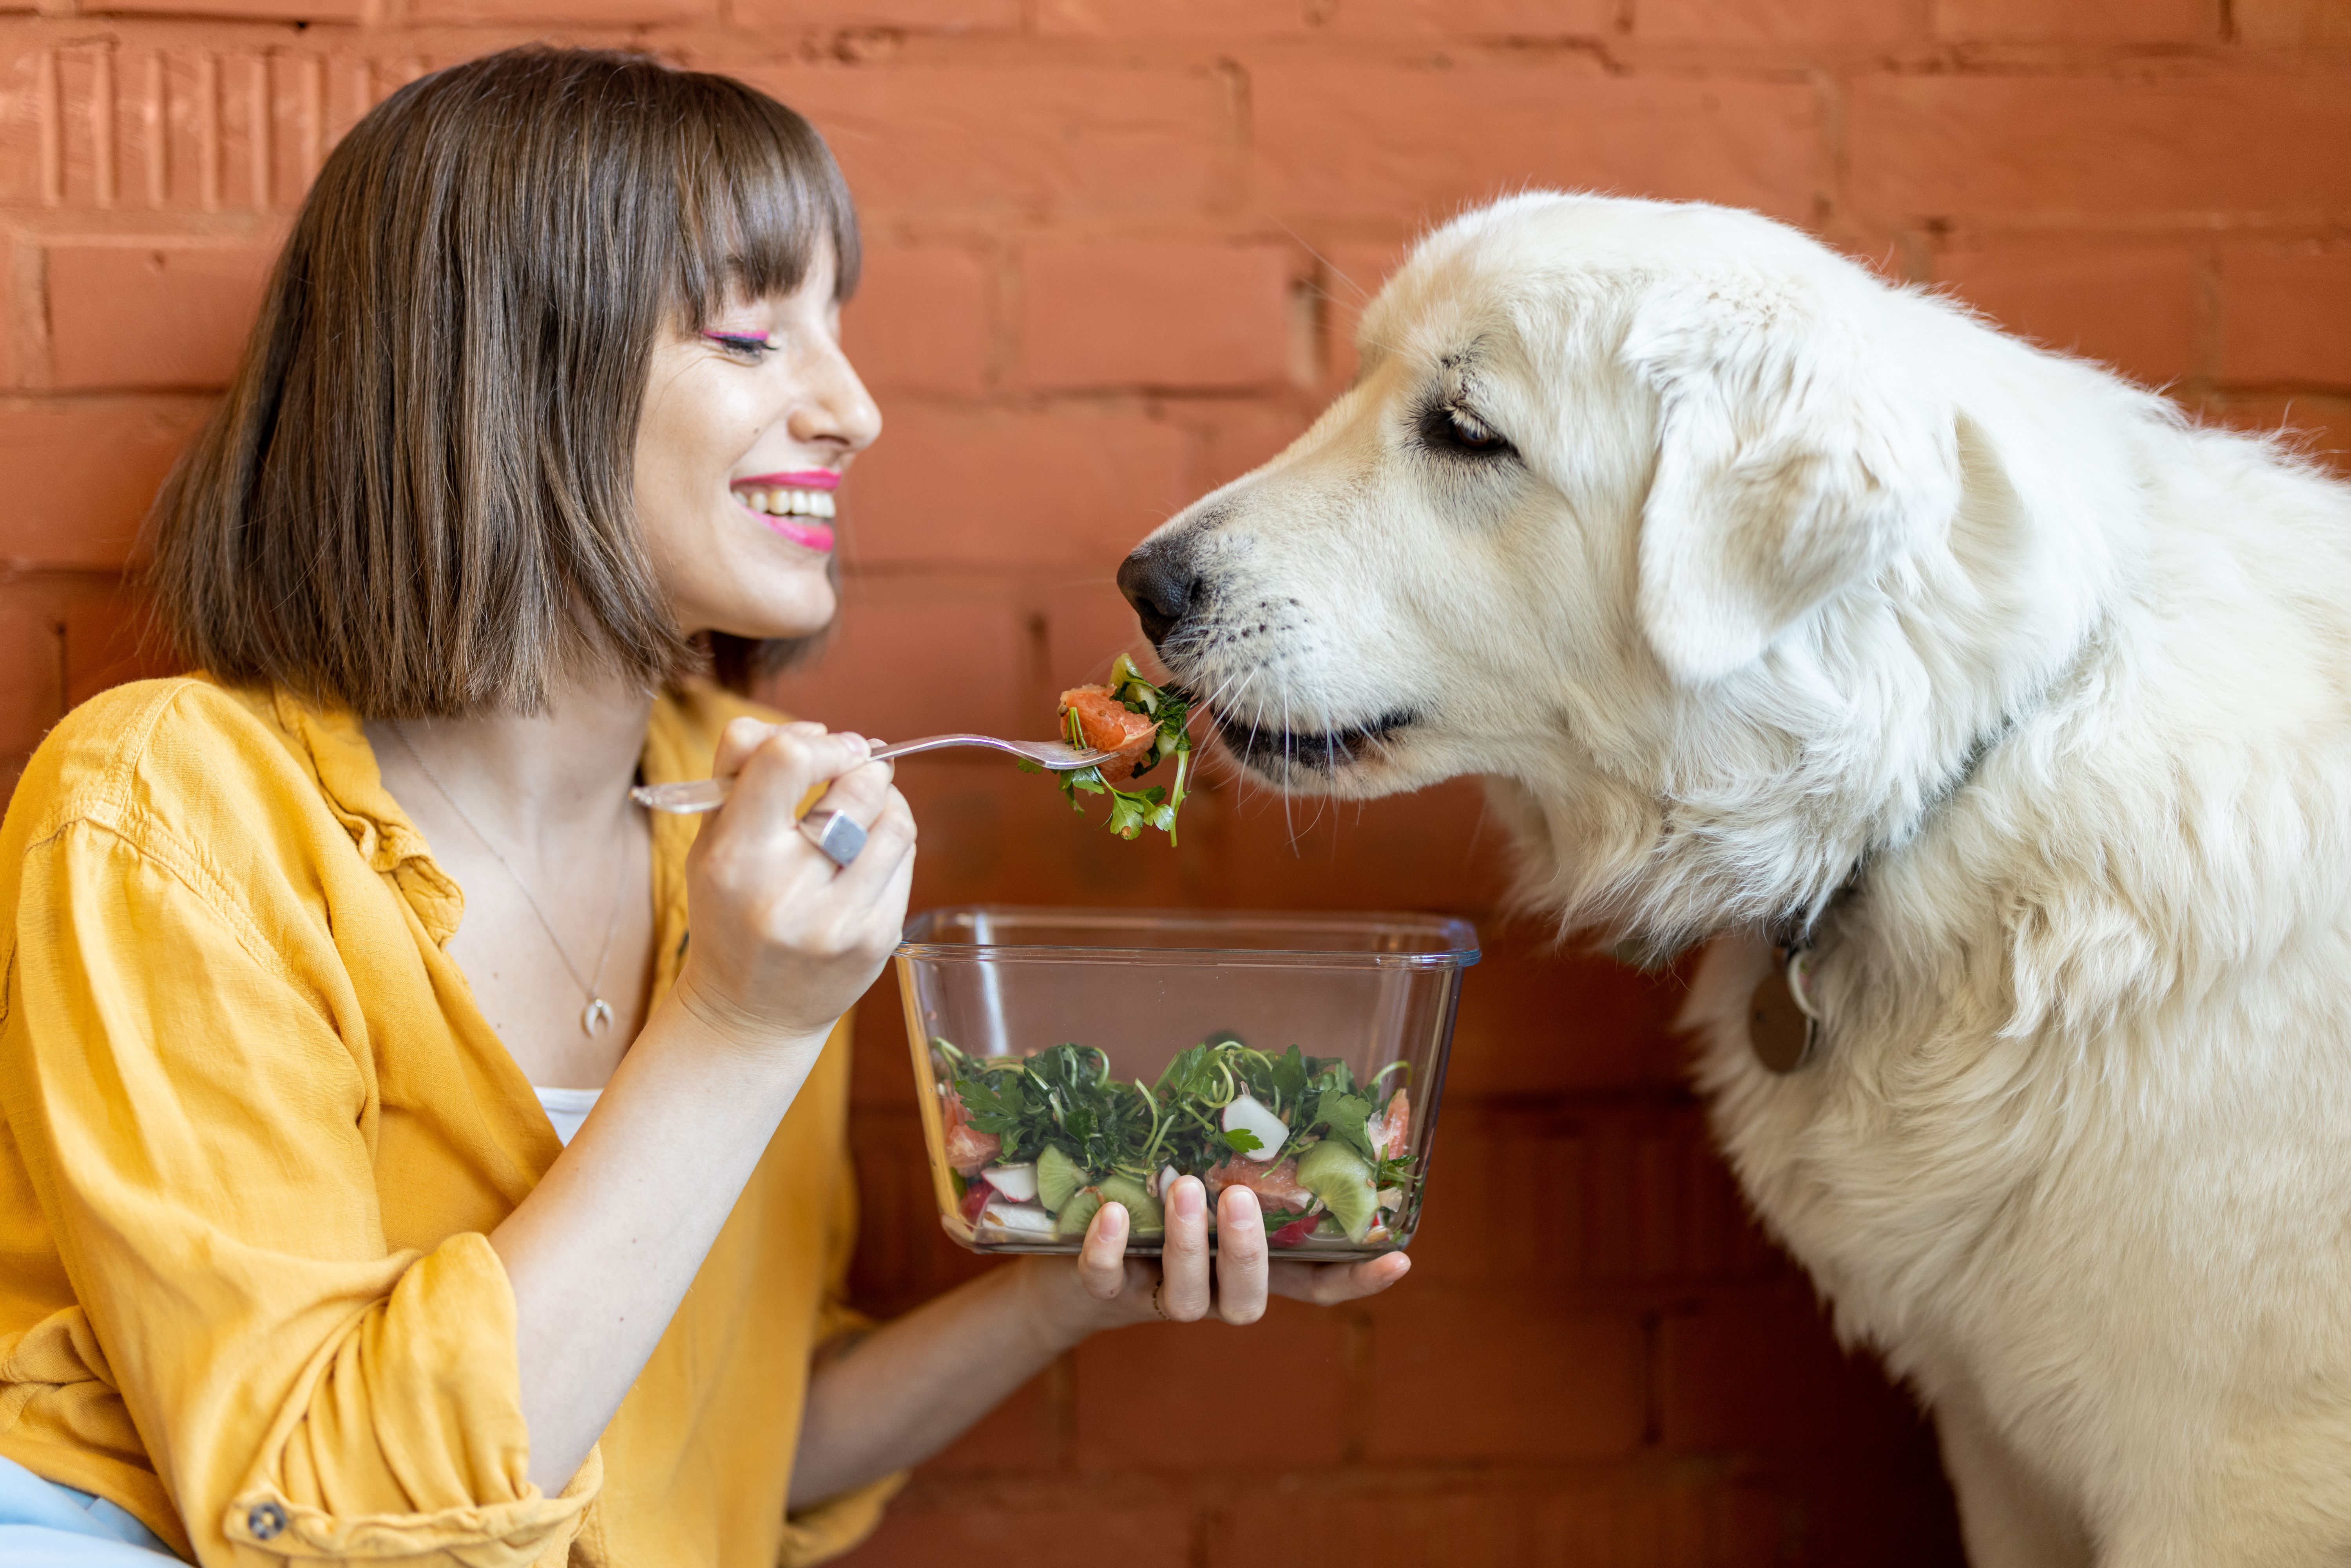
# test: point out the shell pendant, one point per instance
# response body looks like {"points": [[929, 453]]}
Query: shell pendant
{"points": [[597, 1016]]}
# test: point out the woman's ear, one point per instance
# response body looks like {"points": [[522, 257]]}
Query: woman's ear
{"points": [[1795, 457]]}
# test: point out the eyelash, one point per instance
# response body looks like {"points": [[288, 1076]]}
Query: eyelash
{"points": [[735, 343]]}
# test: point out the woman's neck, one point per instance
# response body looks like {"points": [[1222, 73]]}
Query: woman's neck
{"points": [[533, 781]]}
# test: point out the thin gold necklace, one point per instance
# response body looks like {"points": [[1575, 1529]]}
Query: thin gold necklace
{"points": [[597, 1016]]}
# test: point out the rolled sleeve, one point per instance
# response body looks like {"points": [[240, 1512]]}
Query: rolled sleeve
{"points": [[201, 1135]]}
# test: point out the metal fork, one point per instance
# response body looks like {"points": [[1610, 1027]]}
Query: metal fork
{"points": [[706, 794]]}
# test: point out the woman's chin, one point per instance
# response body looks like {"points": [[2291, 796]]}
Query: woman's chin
{"points": [[803, 610]]}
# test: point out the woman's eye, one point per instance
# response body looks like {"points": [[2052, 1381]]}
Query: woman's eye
{"points": [[735, 343]]}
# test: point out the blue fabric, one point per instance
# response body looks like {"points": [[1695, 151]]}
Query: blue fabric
{"points": [[44, 1525]]}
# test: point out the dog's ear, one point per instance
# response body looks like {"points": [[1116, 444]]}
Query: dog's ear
{"points": [[1795, 458]]}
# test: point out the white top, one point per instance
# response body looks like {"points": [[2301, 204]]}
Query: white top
{"points": [[566, 1108]]}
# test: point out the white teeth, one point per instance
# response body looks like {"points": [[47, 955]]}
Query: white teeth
{"points": [[788, 503]]}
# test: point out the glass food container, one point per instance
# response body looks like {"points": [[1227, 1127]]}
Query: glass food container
{"points": [[1068, 1058]]}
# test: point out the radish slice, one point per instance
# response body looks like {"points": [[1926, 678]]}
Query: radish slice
{"points": [[1248, 1114], [1018, 1183], [1016, 1219], [1161, 1183], [1391, 1197]]}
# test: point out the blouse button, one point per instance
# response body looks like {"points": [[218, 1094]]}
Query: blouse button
{"points": [[265, 1520]]}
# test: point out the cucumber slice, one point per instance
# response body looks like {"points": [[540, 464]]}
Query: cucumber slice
{"points": [[1342, 1180], [1076, 1214], [1058, 1177], [1142, 1215]]}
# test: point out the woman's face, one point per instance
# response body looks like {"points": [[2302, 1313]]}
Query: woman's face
{"points": [[747, 428]]}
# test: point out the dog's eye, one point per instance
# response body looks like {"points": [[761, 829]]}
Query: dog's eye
{"points": [[1469, 433], [1448, 428]]}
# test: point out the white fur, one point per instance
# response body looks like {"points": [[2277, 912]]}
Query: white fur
{"points": [[1782, 547]]}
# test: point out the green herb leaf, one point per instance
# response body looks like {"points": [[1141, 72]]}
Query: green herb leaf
{"points": [[1344, 1115], [1241, 1141]]}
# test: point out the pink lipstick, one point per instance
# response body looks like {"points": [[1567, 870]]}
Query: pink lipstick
{"points": [[806, 533], [806, 479]]}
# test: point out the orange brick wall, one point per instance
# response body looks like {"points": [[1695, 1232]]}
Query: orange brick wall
{"points": [[1116, 247]]}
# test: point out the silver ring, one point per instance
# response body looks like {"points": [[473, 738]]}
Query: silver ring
{"points": [[836, 837]]}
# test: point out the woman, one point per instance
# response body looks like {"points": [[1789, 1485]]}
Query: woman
{"points": [[544, 413]]}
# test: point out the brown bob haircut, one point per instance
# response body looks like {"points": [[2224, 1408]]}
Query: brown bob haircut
{"points": [[417, 497]]}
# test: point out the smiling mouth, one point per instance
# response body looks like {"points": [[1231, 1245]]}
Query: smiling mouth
{"points": [[781, 501], [1269, 750], [796, 514]]}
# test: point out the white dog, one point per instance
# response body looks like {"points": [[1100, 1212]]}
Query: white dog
{"points": [[1782, 605]]}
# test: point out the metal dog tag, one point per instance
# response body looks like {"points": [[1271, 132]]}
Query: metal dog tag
{"points": [[1782, 1026]]}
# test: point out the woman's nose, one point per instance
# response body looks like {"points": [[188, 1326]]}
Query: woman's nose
{"points": [[836, 406]]}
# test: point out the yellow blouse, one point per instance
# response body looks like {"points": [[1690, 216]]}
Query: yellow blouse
{"points": [[253, 1133]]}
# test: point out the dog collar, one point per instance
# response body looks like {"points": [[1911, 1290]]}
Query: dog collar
{"points": [[1786, 1026]]}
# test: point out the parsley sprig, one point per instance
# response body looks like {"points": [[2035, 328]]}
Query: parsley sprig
{"points": [[1132, 810]]}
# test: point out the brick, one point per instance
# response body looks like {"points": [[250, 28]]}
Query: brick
{"points": [[588, 13], [151, 315], [1450, 20], [1032, 140], [183, 128], [19, 309], [1600, 1196], [2133, 307], [2291, 24], [2205, 142], [1540, 1019], [2079, 21], [1166, 316], [993, 834], [109, 639], [898, 670], [1190, 1377], [1212, 19], [1428, 849], [998, 489], [1501, 1375], [26, 139], [965, 1530], [1349, 277], [64, 638], [922, 321], [903, 1258], [257, 10], [882, 1076], [1678, 1519], [1240, 439], [2318, 427], [85, 473], [1086, 625], [2285, 315], [952, 16], [32, 670], [1415, 143], [1846, 23], [1760, 1369]]}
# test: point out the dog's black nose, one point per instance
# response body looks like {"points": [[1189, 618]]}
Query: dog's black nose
{"points": [[1158, 580]]}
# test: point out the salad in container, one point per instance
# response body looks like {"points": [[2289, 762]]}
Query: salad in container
{"points": [[1067, 1059]]}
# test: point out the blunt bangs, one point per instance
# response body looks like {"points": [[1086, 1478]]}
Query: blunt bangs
{"points": [[758, 194], [417, 499]]}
